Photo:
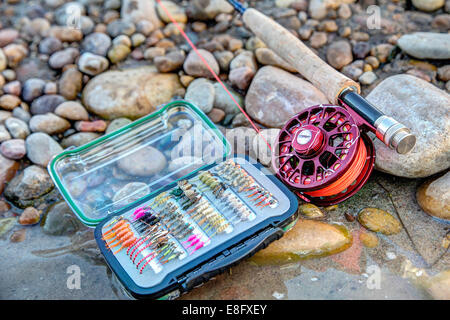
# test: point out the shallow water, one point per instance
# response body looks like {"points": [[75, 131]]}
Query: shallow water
{"points": [[42, 266]]}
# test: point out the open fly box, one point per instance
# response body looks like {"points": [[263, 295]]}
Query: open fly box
{"points": [[171, 207]]}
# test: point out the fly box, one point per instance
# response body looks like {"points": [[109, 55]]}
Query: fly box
{"points": [[170, 206]]}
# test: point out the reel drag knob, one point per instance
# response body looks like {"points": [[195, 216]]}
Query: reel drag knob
{"points": [[322, 155]]}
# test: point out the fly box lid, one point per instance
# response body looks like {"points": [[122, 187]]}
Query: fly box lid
{"points": [[117, 169], [171, 207]]}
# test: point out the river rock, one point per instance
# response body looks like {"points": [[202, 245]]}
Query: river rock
{"points": [[4, 134], [132, 93], [266, 56], [318, 9], [72, 110], [13, 149], [49, 123], [434, 197], [15, 53], [31, 184], [308, 238], [8, 169], [369, 239], [92, 64], [50, 45], [275, 96], [79, 139], [96, 43], [426, 45], [201, 93], [194, 66], [118, 53], [428, 5], [148, 162], [64, 57], [310, 211], [46, 103], [29, 216], [424, 109], [223, 101], [175, 11], [130, 193], [137, 10], [70, 83], [378, 220], [59, 220], [170, 62], [9, 101], [206, 10], [438, 286], [339, 54], [6, 224], [32, 88], [17, 128], [41, 148], [3, 60], [8, 36]]}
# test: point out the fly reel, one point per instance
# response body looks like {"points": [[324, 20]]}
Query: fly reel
{"points": [[323, 155]]}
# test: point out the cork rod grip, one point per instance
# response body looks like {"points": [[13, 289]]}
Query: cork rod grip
{"points": [[298, 55]]}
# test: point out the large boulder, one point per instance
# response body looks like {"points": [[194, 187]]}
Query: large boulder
{"points": [[424, 109], [426, 45], [131, 93], [275, 96]]}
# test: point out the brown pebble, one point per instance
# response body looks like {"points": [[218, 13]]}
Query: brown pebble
{"points": [[18, 235], [349, 217], [29, 216], [216, 115], [368, 239]]}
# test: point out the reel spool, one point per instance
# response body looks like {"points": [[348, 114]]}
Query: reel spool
{"points": [[323, 155]]}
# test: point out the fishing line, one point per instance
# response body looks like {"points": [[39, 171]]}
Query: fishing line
{"points": [[212, 72]]}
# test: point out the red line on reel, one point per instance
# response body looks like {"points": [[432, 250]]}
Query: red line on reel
{"points": [[322, 155]]}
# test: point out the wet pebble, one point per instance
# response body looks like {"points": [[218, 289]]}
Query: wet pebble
{"points": [[434, 198], [8, 169], [29, 216], [13, 149], [310, 211], [6, 224], [368, 239], [41, 148], [18, 236], [29, 186], [378, 220], [59, 220], [216, 115]]}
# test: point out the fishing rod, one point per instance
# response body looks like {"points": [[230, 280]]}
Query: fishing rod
{"points": [[324, 152]]}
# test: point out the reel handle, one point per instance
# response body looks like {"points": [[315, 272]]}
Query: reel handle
{"points": [[337, 87], [298, 55], [393, 134]]}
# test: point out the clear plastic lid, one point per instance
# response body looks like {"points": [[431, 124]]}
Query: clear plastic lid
{"points": [[116, 170]]}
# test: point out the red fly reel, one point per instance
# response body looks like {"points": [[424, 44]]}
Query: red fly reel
{"points": [[323, 155]]}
